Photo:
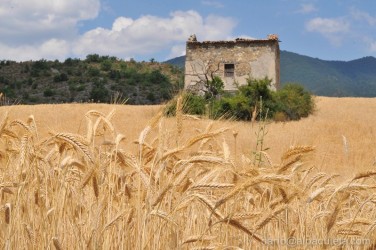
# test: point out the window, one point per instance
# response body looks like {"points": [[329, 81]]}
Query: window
{"points": [[229, 70]]}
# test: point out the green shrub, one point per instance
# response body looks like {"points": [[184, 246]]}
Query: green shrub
{"points": [[214, 87], [290, 103], [192, 104], [80, 87], [92, 58], [114, 74], [92, 71], [232, 107], [256, 89], [106, 65], [156, 77], [48, 92], [249, 97], [61, 77], [40, 65], [294, 101], [99, 93], [8, 92], [151, 97]]}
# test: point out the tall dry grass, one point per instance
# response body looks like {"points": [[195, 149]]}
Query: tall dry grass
{"points": [[180, 183]]}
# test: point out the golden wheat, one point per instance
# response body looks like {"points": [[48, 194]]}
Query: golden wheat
{"points": [[205, 192]]}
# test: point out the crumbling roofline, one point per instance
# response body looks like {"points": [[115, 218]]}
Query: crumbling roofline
{"points": [[271, 38], [232, 42]]}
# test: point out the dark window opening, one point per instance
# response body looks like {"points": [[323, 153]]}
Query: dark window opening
{"points": [[229, 70]]}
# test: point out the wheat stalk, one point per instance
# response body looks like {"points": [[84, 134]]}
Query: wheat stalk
{"points": [[95, 185], [313, 180], [350, 232], [332, 219], [246, 216], [113, 221], [214, 185], [232, 222], [161, 195], [7, 213], [315, 194], [21, 124], [163, 215], [296, 150], [198, 238], [30, 233], [179, 117], [77, 142], [57, 243], [276, 179], [363, 175], [4, 122], [203, 136], [269, 216], [288, 164]]}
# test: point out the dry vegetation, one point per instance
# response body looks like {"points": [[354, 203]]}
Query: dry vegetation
{"points": [[119, 177]]}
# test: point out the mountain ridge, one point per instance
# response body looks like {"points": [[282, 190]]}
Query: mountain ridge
{"points": [[335, 78]]}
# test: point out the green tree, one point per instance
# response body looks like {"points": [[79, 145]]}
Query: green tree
{"points": [[246, 102], [214, 87], [294, 101], [61, 77], [106, 65], [95, 58], [99, 93], [48, 92], [93, 71]]}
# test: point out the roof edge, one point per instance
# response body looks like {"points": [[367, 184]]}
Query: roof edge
{"points": [[270, 38]]}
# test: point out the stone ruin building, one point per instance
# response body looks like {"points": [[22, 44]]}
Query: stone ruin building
{"points": [[233, 61]]}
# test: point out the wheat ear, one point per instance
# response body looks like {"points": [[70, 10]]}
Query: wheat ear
{"points": [[57, 243], [296, 150], [7, 213], [77, 142]]}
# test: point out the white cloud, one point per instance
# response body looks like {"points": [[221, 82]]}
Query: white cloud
{"points": [[121, 23], [150, 34], [50, 49], [370, 43], [331, 28], [36, 29], [372, 46], [39, 20], [363, 16], [306, 8], [328, 25], [177, 50]]}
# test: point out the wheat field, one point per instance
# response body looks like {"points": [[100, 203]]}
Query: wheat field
{"points": [[95, 176]]}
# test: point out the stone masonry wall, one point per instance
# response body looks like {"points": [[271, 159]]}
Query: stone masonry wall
{"points": [[251, 58]]}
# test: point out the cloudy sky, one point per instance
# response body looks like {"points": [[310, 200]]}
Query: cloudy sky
{"points": [[145, 29]]}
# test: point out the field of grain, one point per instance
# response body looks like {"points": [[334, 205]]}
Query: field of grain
{"points": [[94, 176]]}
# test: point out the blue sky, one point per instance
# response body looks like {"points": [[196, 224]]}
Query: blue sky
{"points": [[145, 29]]}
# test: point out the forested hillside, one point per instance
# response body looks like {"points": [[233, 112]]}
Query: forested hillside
{"points": [[330, 78], [325, 78], [95, 79]]}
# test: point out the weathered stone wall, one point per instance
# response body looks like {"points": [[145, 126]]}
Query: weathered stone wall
{"points": [[251, 58]]}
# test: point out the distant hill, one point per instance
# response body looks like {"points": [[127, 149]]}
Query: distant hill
{"points": [[177, 61], [325, 78], [330, 78], [95, 79]]}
